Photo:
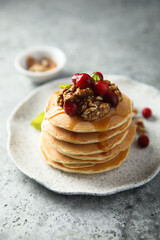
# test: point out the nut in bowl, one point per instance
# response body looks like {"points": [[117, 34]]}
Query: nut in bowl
{"points": [[40, 63]]}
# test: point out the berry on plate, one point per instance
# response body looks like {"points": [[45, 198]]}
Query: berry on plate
{"points": [[143, 141], [146, 112]]}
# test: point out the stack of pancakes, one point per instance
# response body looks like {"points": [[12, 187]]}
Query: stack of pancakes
{"points": [[74, 145]]}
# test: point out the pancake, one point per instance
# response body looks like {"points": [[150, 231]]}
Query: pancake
{"points": [[82, 138], [56, 156], [111, 153], [115, 118], [85, 149], [78, 165], [97, 168]]}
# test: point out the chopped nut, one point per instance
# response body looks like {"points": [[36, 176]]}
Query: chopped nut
{"points": [[94, 112], [99, 98], [73, 93], [37, 67], [60, 99], [139, 122], [45, 62], [42, 65], [82, 106], [140, 128], [134, 112], [30, 61]]}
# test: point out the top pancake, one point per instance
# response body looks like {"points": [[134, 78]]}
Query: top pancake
{"points": [[115, 118]]}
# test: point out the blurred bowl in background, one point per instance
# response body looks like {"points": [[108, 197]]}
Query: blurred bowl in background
{"points": [[38, 53]]}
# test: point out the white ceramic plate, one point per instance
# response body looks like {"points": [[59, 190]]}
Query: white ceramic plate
{"points": [[139, 168]]}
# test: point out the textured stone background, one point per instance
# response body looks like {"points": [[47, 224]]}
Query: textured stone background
{"points": [[118, 37]]}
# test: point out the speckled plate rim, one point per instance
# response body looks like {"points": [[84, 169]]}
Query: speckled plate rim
{"points": [[113, 191]]}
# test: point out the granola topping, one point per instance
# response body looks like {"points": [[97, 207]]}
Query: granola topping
{"points": [[90, 105]]}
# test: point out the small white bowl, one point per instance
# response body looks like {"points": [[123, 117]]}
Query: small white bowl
{"points": [[38, 52]]}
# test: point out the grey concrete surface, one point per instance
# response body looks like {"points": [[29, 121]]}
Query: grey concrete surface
{"points": [[121, 37]]}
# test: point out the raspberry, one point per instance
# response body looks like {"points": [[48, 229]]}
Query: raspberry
{"points": [[143, 141], [84, 80], [112, 98], [71, 108], [146, 112], [100, 87]]}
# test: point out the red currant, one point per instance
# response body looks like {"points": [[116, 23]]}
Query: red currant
{"points": [[100, 87], [71, 108], [146, 112], [143, 141], [84, 80], [112, 98], [74, 78], [99, 74]]}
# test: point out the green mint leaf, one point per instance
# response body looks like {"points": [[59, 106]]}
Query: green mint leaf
{"points": [[95, 77], [65, 85], [36, 122]]}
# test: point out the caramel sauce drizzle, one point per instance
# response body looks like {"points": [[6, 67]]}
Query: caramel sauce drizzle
{"points": [[55, 112], [103, 146]]}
